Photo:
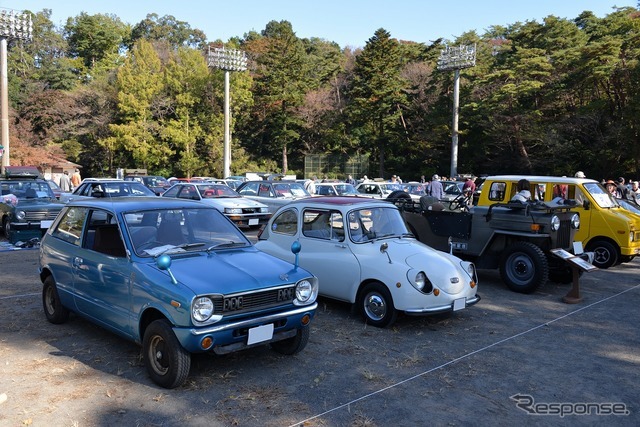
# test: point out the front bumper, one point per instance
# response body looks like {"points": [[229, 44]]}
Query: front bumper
{"points": [[441, 308], [234, 334]]}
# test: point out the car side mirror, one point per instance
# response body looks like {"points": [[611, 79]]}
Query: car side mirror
{"points": [[295, 248], [163, 262], [586, 204]]}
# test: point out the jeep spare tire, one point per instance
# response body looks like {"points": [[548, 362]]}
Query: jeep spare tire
{"points": [[524, 267]]}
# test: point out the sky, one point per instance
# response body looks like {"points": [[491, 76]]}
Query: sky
{"points": [[350, 23]]}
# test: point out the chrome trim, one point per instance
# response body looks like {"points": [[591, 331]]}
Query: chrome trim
{"points": [[441, 308], [264, 319]]}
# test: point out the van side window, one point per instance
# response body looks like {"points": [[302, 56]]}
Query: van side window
{"points": [[497, 190]]}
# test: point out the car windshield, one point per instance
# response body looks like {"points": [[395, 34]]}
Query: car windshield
{"points": [[121, 189], [417, 189], [292, 189], [154, 232], [156, 181], [376, 223], [24, 190], [451, 188], [209, 191], [600, 195], [346, 190]]}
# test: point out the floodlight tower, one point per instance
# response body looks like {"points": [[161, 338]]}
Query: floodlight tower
{"points": [[227, 60], [13, 26], [456, 58]]}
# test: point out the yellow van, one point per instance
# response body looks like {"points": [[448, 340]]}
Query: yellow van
{"points": [[611, 232]]}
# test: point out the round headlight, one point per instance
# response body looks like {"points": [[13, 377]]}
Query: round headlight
{"points": [[20, 215], [202, 309], [304, 290], [575, 221], [420, 280], [555, 223]]}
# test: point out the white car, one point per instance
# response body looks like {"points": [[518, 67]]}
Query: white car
{"points": [[336, 189], [242, 211], [378, 190], [274, 194], [362, 253]]}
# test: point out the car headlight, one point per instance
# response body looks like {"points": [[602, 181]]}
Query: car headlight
{"points": [[202, 309], [20, 215], [306, 291], [420, 281], [264, 210], [555, 223], [575, 221], [471, 271], [232, 211]]}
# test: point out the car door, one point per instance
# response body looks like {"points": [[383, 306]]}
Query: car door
{"points": [[101, 274], [326, 254]]}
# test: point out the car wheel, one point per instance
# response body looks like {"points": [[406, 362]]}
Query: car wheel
{"points": [[166, 360], [292, 345], [376, 305], [55, 312], [605, 254], [524, 267], [398, 195], [6, 228]]}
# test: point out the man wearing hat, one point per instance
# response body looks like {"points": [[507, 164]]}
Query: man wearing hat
{"points": [[435, 189], [622, 189]]}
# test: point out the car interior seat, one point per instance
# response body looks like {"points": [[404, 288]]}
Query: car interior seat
{"points": [[108, 241]]}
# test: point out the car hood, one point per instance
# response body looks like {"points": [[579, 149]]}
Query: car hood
{"points": [[234, 202], [233, 271], [41, 203]]}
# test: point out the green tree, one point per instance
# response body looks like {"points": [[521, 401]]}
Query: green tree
{"points": [[376, 95], [95, 37], [168, 28]]}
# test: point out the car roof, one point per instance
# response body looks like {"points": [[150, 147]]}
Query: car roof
{"points": [[125, 204], [328, 201], [536, 178]]}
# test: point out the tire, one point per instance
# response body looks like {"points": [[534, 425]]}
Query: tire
{"points": [[6, 228], [167, 362], [293, 345], [605, 254], [55, 312], [524, 267], [376, 305], [626, 258], [398, 195]]}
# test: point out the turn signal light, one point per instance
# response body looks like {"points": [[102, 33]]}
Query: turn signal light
{"points": [[206, 343], [306, 319], [472, 284], [436, 292], [535, 227]]}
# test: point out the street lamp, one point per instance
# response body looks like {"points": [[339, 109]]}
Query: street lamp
{"points": [[456, 58], [227, 60], [13, 26]]}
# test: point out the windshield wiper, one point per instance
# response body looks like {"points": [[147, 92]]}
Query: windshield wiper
{"points": [[183, 246], [228, 244]]}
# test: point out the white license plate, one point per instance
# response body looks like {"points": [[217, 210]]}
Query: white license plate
{"points": [[260, 334], [46, 224], [459, 304], [253, 221]]}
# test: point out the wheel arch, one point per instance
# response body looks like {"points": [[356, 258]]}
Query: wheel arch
{"points": [[149, 315]]}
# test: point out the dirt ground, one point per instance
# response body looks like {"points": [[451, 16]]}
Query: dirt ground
{"points": [[461, 369]]}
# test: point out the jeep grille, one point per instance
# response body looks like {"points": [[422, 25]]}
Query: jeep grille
{"points": [[563, 238]]}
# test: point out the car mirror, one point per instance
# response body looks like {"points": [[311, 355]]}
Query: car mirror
{"points": [[586, 204], [296, 247], [163, 262]]}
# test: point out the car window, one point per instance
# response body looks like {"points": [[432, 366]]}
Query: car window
{"points": [[70, 226], [286, 222], [265, 191], [250, 189], [188, 192], [172, 192], [103, 234], [321, 224], [497, 191]]}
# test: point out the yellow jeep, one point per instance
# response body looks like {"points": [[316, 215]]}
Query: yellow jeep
{"points": [[607, 229]]}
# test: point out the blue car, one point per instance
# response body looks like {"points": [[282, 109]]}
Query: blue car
{"points": [[177, 277]]}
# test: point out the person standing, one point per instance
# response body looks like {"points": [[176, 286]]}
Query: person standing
{"points": [[351, 181], [435, 189], [76, 179], [65, 182]]}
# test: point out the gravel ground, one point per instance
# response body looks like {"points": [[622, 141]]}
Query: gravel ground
{"points": [[461, 369]]}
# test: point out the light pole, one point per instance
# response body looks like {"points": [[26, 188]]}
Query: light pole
{"points": [[456, 58], [227, 60], [13, 26]]}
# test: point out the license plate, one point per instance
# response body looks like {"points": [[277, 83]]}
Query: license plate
{"points": [[260, 334], [253, 221], [46, 224], [459, 304]]}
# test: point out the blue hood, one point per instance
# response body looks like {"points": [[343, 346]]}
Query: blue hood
{"points": [[233, 271]]}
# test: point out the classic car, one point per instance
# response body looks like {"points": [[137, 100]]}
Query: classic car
{"points": [[175, 276], [108, 188], [362, 253], [242, 211], [335, 189], [27, 205], [157, 184], [378, 190], [274, 194]]}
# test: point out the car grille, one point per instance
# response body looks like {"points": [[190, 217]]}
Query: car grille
{"points": [[250, 210], [40, 215], [563, 239], [252, 301]]}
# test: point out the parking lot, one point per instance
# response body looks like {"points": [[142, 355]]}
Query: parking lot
{"points": [[511, 359]]}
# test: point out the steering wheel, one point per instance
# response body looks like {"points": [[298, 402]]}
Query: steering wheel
{"points": [[460, 202]]}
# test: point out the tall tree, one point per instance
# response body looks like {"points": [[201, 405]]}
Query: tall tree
{"points": [[377, 94], [167, 28], [95, 37]]}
